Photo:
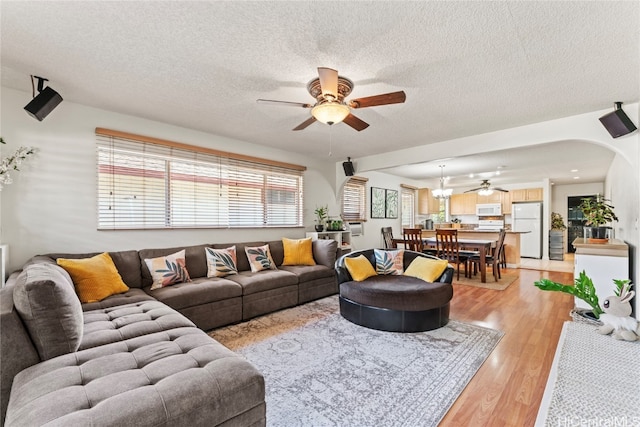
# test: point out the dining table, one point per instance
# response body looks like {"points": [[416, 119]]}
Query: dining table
{"points": [[482, 246]]}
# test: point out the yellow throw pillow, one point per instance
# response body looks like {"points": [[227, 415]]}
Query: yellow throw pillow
{"points": [[298, 252], [94, 278], [426, 269], [359, 268]]}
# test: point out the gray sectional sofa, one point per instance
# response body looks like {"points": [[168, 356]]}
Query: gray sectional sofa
{"points": [[141, 357]]}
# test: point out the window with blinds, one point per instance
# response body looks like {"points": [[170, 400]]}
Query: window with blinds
{"points": [[354, 200], [149, 184], [408, 196]]}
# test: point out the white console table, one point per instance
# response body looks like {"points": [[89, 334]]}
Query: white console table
{"points": [[602, 262]]}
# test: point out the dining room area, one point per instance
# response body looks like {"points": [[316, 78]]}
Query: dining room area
{"points": [[478, 260]]}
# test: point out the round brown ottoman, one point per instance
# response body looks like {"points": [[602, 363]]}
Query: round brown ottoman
{"points": [[396, 303]]}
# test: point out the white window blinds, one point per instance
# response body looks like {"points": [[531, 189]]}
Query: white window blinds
{"points": [[145, 183], [354, 200], [408, 207]]}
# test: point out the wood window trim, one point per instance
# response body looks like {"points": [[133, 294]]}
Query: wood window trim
{"points": [[180, 145]]}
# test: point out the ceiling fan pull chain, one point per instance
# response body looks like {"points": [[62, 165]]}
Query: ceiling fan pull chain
{"points": [[330, 140]]}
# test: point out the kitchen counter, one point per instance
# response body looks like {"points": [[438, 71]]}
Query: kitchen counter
{"points": [[511, 241], [613, 247]]}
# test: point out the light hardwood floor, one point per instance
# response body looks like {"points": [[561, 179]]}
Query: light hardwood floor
{"points": [[508, 388]]}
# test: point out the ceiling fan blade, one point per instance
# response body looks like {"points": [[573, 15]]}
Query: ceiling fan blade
{"points": [[328, 81], [384, 99], [306, 123], [285, 103], [355, 122], [473, 189], [500, 189]]}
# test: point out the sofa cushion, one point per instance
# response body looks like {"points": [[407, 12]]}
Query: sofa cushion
{"points": [[389, 262], [168, 270], [426, 269], [297, 252], [48, 305], [94, 278], [324, 252], [221, 262], [196, 261], [359, 268], [179, 377], [129, 297], [113, 324], [127, 263], [307, 273], [197, 292], [263, 280], [259, 258]]}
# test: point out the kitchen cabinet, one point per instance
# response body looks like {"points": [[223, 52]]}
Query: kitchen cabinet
{"points": [[427, 204], [463, 204], [506, 203], [526, 195], [494, 197], [534, 194]]}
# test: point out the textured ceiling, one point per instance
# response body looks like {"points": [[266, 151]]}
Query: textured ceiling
{"points": [[467, 67]]}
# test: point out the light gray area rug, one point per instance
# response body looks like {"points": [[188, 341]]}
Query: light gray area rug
{"points": [[322, 370], [594, 380]]}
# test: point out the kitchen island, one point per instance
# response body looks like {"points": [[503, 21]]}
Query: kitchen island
{"points": [[511, 241]]}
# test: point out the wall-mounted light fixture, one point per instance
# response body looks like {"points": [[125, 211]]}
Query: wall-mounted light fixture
{"points": [[44, 103]]}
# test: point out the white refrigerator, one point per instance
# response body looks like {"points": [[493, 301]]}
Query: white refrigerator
{"points": [[528, 217]]}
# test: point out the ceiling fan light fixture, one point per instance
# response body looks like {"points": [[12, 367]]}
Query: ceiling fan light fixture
{"points": [[330, 112], [485, 192]]}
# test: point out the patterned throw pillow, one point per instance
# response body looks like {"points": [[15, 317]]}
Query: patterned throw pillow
{"points": [[168, 270], [221, 262], [389, 262], [260, 258]]}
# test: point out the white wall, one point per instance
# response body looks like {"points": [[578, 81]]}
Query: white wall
{"points": [[372, 236], [51, 205]]}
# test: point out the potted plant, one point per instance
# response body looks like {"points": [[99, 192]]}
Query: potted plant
{"points": [[584, 289], [556, 237], [321, 215], [597, 212]]}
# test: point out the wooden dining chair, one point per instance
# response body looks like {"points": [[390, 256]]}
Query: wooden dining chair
{"points": [[387, 237], [413, 239], [494, 259], [447, 246]]}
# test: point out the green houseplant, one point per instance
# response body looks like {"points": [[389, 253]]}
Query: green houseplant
{"points": [[556, 237], [582, 288], [557, 222], [322, 213], [597, 212]]}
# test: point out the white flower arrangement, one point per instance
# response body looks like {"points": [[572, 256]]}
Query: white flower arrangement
{"points": [[12, 163]]}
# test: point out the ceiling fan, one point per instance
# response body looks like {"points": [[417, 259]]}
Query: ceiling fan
{"points": [[330, 91], [486, 188]]}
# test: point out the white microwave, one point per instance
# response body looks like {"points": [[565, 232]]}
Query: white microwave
{"points": [[489, 209]]}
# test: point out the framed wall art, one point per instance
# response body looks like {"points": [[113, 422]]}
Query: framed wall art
{"points": [[391, 204], [378, 202]]}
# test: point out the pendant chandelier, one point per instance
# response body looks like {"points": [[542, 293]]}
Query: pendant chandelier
{"points": [[442, 193]]}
